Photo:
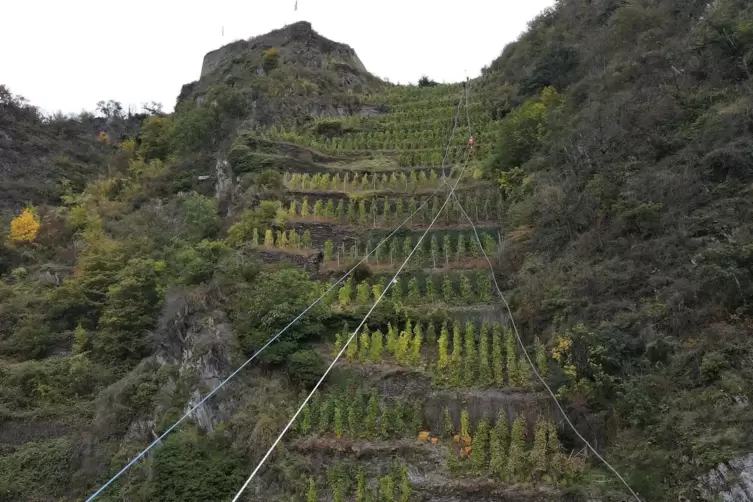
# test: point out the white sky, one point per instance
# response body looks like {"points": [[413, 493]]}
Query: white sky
{"points": [[67, 55]]}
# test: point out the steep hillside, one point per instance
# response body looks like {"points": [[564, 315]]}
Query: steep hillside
{"points": [[36, 154], [611, 189]]}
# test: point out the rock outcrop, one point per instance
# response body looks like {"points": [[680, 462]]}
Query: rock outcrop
{"points": [[730, 481], [298, 44]]}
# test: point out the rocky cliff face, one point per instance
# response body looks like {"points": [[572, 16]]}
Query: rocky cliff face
{"points": [[289, 74], [298, 44], [730, 481]]}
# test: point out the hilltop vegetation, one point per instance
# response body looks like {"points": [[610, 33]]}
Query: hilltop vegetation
{"points": [[611, 189]]}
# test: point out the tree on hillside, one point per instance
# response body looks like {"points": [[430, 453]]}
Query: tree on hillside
{"points": [[24, 227], [426, 82]]}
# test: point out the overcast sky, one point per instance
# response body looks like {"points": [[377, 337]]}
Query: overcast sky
{"points": [[67, 55]]}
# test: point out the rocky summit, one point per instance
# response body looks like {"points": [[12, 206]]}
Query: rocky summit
{"points": [[594, 240]]}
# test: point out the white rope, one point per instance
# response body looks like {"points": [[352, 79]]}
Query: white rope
{"points": [[283, 330], [523, 348], [350, 339]]}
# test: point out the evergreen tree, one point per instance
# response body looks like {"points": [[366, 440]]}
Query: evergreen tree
{"points": [[340, 210], [407, 247], [413, 179], [386, 489], [512, 359], [391, 339], [400, 424], [475, 248], [351, 211], [538, 453], [293, 209], [461, 247], [465, 426], [339, 425], [453, 462], [490, 245], [329, 209], [306, 420], [324, 416], [255, 237], [516, 457], [502, 429], [306, 241], [466, 289], [403, 347], [415, 349], [376, 347], [448, 426], [524, 373], [479, 447], [364, 345], [484, 286], [393, 250], [386, 210], [363, 293], [399, 210], [447, 248], [363, 214], [444, 340], [376, 291], [431, 333], [305, 207], [311, 493], [351, 351], [405, 488], [269, 240], [282, 239], [484, 369], [372, 416], [434, 250], [345, 293], [542, 364], [431, 290], [414, 293], [417, 420], [294, 240], [496, 456], [457, 355], [318, 208], [470, 363], [498, 362], [448, 292], [329, 250], [360, 485], [418, 255], [354, 417], [385, 423], [397, 290]]}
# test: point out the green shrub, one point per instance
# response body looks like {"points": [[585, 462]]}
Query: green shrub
{"points": [[305, 367], [271, 59], [193, 467], [244, 160], [35, 471], [154, 138]]}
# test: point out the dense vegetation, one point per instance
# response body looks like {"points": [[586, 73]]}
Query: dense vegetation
{"points": [[612, 192]]}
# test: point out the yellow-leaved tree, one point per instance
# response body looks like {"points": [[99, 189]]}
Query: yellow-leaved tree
{"points": [[24, 227]]}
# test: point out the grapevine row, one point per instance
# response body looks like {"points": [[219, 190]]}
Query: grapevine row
{"points": [[415, 292], [490, 359], [378, 212], [430, 252], [346, 182]]}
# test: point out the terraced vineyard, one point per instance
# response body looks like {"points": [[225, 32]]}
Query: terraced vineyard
{"points": [[435, 379]]}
